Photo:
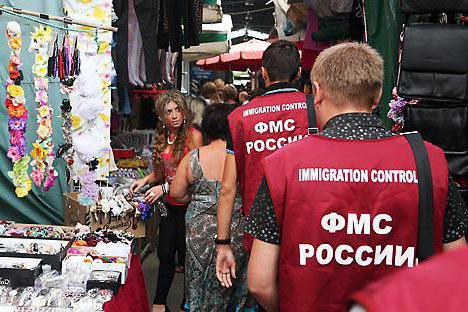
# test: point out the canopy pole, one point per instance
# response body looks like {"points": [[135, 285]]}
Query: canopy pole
{"points": [[64, 19]]}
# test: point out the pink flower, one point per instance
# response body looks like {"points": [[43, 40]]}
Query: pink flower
{"points": [[14, 153], [37, 176], [52, 175]]}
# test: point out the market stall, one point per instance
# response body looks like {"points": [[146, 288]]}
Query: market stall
{"points": [[53, 268]]}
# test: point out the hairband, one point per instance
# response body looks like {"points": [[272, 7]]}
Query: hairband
{"points": [[43, 173], [18, 114]]}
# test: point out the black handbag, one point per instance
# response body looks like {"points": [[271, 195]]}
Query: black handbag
{"points": [[444, 126], [433, 6], [434, 62]]}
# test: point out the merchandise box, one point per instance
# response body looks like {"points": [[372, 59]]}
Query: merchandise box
{"points": [[14, 230], [54, 260], [74, 212], [104, 280], [19, 272], [85, 250], [69, 263]]}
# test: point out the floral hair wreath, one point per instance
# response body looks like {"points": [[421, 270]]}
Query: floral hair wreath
{"points": [[18, 114], [43, 172]]}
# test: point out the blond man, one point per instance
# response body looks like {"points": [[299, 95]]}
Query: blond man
{"points": [[341, 209]]}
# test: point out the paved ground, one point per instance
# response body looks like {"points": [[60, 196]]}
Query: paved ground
{"points": [[150, 270]]}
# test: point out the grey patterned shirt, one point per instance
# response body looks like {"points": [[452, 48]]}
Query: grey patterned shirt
{"points": [[262, 223]]}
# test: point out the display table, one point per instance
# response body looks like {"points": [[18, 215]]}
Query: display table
{"points": [[132, 296]]}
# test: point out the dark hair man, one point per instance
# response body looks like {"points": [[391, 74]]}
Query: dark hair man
{"points": [[265, 124], [340, 209], [230, 94]]}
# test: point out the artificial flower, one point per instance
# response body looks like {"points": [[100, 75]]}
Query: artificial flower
{"points": [[40, 59], [42, 96], [20, 99], [43, 131], [76, 121], [11, 67], [15, 59], [13, 153], [38, 152], [45, 111], [17, 111], [19, 141], [42, 34], [37, 176], [22, 191], [15, 75], [14, 90], [103, 47], [52, 175], [99, 13], [17, 124], [15, 43], [41, 83], [40, 70]]}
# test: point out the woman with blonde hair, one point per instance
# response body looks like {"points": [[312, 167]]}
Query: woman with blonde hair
{"points": [[175, 137]]}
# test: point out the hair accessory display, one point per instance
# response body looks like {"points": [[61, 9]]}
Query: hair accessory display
{"points": [[18, 114], [397, 107], [43, 172]]}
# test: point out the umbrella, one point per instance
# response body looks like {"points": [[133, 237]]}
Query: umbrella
{"points": [[241, 57]]}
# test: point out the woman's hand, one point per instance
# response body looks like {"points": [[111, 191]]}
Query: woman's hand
{"points": [[137, 185], [152, 195]]}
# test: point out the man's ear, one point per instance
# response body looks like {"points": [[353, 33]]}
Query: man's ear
{"points": [[377, 101], [299, 73], [318, 94], [265, 74]]}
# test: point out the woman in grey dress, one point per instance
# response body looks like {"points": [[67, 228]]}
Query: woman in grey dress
{"points": [[198, 181]]}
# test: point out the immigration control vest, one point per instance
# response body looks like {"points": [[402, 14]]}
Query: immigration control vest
{"points": [[259, 128], [348, 214], [437, 285]]}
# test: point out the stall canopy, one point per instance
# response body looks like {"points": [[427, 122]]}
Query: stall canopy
{"points": [[214, 40], [243, 56]]}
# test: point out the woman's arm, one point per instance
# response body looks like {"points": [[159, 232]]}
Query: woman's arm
{"points": [[195, 139], [179, 186]]}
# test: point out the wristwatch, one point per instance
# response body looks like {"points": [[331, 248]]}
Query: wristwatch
{"points": [[226, 241]]}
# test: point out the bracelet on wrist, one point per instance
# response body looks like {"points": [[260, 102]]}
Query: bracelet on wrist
{"points": [[226, 241]]}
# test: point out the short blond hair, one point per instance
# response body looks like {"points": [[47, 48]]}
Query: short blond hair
{"points": [[350, 72]]}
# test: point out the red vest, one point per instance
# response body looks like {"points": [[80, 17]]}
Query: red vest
{"points": [[437, 285], [258, 129], [348, 214]]}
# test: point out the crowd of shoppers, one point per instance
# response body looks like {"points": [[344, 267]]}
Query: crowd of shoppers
{"points": [[267, 208]]}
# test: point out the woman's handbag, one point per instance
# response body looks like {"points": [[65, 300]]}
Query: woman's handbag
{"points": [[434, 62], [433, 6], [445, 126]]}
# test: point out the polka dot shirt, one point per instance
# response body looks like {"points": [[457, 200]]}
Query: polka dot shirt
{"points": [[262, 223]]}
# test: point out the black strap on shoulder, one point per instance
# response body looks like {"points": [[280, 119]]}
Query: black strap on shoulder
{"points": [[425, 246], [312, 129]]}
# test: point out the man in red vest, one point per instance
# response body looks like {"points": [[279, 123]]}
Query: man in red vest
{"points": [[265, 124], [437, 285], [338, 210]]}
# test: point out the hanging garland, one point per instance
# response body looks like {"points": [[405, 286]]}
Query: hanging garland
{"points": [[43, 172], [18, 114]]}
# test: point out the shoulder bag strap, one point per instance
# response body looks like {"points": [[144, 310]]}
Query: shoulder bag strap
{"points": [[425, 245], [311, 116]]}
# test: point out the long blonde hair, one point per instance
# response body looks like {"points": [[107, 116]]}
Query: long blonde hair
{"points": [[162, 131]]}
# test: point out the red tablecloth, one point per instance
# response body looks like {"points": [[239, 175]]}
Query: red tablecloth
{"points": [[131, 296]]}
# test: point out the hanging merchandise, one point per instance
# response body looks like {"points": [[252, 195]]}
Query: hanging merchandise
{"points": [[90, 99], [43, 172], [18, 114], [64, 63]]}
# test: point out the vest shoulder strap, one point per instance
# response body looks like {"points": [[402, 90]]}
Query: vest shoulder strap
{"points": [[425, 245], [311, 116]]}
